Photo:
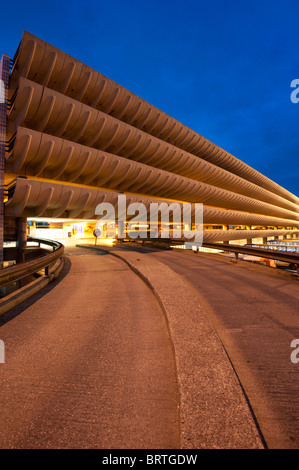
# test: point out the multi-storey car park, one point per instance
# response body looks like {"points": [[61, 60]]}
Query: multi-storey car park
{"points": [[75, 138]]}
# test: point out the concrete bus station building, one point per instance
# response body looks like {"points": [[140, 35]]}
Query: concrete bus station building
{"points": [[72, 138]]}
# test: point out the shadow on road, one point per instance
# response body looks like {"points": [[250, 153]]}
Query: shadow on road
{"points": [[13, 313]]}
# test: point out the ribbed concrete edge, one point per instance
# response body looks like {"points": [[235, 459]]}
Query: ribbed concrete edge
{"points": [[214, 410], [15, 298]]}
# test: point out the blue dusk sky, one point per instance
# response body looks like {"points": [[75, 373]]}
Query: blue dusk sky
{"points": [[223, 68]]}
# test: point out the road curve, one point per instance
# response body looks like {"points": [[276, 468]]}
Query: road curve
{"points": [[255, 311], [89, 364]]}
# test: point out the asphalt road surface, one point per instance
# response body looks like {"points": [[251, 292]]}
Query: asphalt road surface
{"points": [[256, 314], [89, 363]]}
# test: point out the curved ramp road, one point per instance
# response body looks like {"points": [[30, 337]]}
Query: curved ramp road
{"points": [[89, 364], [256, 313]]}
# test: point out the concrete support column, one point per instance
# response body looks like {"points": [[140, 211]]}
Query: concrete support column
{"points": [[265, 240], [21, 225], [121, 228]]}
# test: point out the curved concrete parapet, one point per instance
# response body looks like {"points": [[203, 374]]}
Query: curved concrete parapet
{"points": [[57, 115], [40, 154], [52, 68], [49, 199], [53, 113]]}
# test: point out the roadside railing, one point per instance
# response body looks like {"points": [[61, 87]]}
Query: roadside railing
{"points": [[27, 268], [288, 257]]}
